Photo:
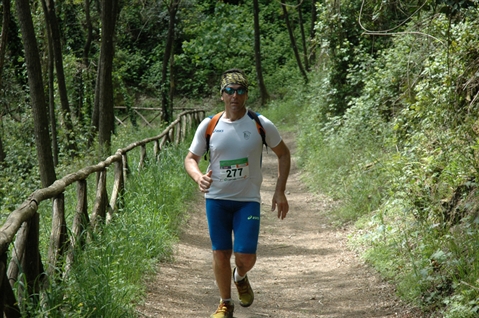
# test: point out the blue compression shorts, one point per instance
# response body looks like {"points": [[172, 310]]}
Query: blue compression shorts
{"points": [[241, 218]]}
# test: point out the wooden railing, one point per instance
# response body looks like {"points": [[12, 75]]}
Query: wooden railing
{"points": [[20, 224]]}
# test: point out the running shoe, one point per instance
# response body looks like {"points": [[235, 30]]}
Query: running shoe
{"points": [[245, 292], [225, 310]]}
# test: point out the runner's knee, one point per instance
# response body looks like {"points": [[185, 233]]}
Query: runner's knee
{"points": [[244, 262]]}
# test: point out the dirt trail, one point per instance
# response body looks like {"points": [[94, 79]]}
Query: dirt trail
{"points": [[304, 266]]}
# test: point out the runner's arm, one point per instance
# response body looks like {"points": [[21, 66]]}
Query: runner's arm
{"points": [[284, 163], [192, 168]]}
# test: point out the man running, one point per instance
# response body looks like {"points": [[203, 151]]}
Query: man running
{"points": [[232, 186]]}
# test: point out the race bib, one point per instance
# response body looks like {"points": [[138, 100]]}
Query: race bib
{"points": [[231, 170]]}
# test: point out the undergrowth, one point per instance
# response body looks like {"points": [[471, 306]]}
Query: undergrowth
{"points": [[405, 177], [108, 274]]}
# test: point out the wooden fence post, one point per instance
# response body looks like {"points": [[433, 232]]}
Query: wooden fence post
{"points": [[23, 224], [183, 122], [118, 188], [3, 277], [171, 134], [126, 168], [17, 253], [81, 219], [8, 303], [79, 225], [164, 140], [99, 208], [58, 235], [141, 164], [191, 121], [178, 133], [156, 149], [31, 262]]}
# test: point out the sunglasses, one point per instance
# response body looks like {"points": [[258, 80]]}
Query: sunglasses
{"points": [[231, 91]]}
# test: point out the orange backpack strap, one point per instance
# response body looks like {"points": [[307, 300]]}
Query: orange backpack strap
{"points": [[214, 121], [210, 129]]}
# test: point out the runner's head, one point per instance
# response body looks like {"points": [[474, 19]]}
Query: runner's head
{"points": [[233, 76]]}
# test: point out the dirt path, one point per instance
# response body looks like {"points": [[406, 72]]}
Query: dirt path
{"points": [[304, 267]]}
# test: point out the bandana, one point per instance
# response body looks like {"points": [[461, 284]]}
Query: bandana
{"points": [[234, 78]]}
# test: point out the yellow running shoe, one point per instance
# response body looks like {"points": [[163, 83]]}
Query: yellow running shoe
{"points": [[225, 310], [245, 292]]}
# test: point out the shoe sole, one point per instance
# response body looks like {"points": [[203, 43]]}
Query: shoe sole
{"points": [[247, 305]]}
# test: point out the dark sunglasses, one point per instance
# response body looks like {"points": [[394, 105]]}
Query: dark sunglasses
{"points": [[231, 91]]}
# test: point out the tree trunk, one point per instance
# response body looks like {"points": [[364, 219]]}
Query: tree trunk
{"points": [[8, 302], [89, 38], [3, 49], [83, 74], [31, 260], [166, 104], [293, 43], [95, 116], [52, 26], [51, 89], [172, 79], [2, 151], [35, 81], [51, 102], [4, 36], [106, 118], [264, 96], [312, 35], [303, 36]]}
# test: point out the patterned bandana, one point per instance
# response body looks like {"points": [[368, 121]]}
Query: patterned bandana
{"points": [[233, 78]]}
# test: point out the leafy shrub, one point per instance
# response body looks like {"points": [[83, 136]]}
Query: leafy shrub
{"points": [[409, 141]]}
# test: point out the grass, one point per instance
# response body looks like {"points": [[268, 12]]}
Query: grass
{"points": [[436, 269], [107, 277], [433, 264]]}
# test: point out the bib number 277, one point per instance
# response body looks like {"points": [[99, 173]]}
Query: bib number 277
{"points": [[231, 170]]}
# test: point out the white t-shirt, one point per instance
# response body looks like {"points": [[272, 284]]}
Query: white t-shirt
{"points": [[235, 154]]}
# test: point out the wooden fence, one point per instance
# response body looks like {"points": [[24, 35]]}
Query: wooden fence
{"points": [[22, 224]]}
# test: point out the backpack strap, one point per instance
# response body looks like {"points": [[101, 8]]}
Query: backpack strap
{"points": [[210, 129], [214, 121], [259, 126]]}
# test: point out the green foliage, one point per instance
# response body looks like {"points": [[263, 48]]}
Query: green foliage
{"points": [[19, 177], [388, 128], [287, 99], [218, 36], [348, 45], [142, 25], [338, 37], [107, 277], [70, 17], [214, 43], [113, 266], [401, 158], [211, 37], [142, 32]]}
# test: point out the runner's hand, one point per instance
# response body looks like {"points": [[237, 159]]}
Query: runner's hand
{"points": [[281, 203], [205, 182]]}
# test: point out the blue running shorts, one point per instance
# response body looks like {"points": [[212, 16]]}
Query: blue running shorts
{"points": [[241, 218]]}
